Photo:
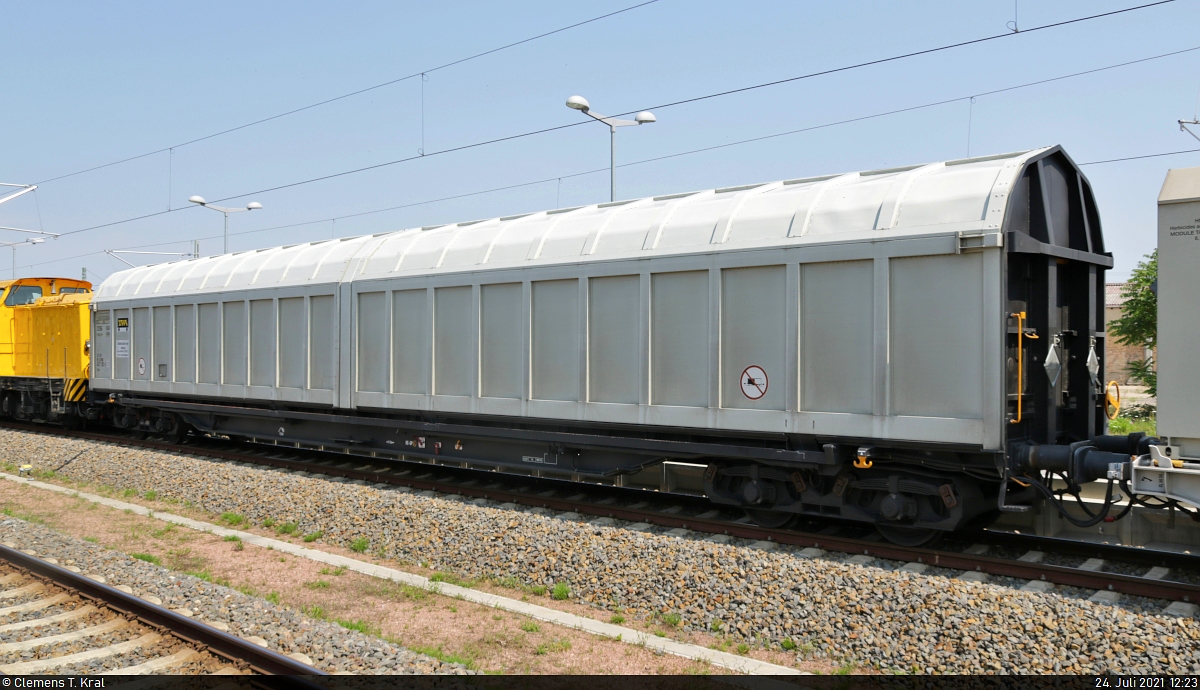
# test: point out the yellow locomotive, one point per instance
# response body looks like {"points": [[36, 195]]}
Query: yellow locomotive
{"points": [[44, 349]]}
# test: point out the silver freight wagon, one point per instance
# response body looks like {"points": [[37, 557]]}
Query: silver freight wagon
{"points": [[822, 344]]}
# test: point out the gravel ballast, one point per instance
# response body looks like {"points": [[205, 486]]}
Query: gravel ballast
{"points": [[869, 615], [329, 646]]}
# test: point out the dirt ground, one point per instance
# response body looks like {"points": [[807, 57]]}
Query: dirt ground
{"points": [[441, 626]]}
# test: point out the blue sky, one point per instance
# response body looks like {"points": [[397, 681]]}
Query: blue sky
{"points": [[87, 84]]}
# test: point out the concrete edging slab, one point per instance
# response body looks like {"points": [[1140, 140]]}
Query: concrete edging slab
{"points": [[732, 662]]}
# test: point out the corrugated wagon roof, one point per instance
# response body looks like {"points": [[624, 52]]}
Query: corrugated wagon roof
{"points": [[969, 194]]}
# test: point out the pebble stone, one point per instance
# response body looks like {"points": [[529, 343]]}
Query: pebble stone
{"points": [[877, 617], [331, 647]]}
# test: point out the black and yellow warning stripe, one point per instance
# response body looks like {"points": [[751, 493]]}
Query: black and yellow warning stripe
{"points": [[76, 390]]}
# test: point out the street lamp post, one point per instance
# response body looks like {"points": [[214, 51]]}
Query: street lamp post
{"points": [[33, 240], [253, 205], [14, 245], [645, 117]]}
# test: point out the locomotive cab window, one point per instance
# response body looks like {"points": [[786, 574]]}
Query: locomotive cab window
{"points": [[23, 294]]}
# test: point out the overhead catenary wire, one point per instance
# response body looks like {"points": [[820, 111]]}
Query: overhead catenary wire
{"points": [[1148, 155], [894, 58], [544, 130], [559, 178], [352, 93]]}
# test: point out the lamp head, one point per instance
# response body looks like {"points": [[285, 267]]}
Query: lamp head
{"points": [[197, 200], [36, 240], [578, 103], [645, 117], [253, 205]]}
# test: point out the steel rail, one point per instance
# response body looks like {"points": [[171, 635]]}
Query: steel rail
{"points": [[260, 659], [1074, 577]]}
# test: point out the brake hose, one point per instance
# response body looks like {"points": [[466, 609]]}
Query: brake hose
{"points": [[1063, 511]]}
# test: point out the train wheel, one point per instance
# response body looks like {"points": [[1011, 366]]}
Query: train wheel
{"points": [[770, 519], [909, 536], [178, 436]]}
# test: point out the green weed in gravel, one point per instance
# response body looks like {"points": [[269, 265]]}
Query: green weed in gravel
{"points": [[361, 626], [561, 591], [360, 545], [448, 657], [232, 519], [147, 557], [207, 577], [27, 517], [312, 536]]}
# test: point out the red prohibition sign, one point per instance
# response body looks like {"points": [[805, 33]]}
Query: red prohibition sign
{"points": [[754, 382]]}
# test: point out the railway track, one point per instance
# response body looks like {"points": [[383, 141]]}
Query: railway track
{"points": [[54, 620], [684, 514]]}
